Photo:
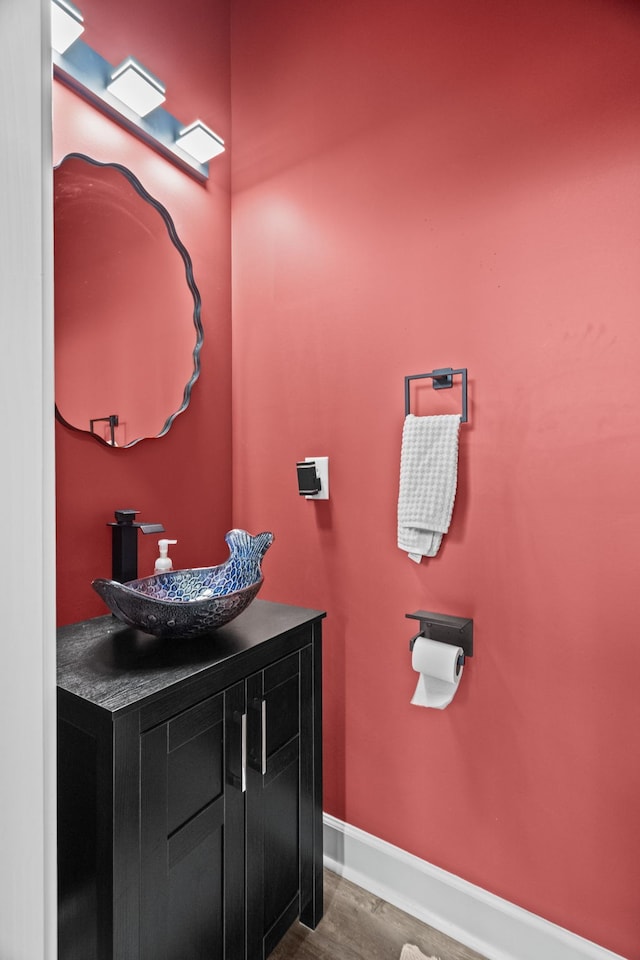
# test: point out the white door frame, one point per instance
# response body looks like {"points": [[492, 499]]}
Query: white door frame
{"points": [[27, 494]]}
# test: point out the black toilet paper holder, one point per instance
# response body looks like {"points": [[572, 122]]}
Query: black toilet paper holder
{"points": [[457, 631]]}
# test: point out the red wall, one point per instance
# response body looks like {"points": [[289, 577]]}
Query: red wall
{"points": [[184, 479], [447, 183]]}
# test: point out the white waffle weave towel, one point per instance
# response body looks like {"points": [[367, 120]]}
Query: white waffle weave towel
{"points": [[428, 480]]}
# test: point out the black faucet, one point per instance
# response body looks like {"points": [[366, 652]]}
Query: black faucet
{"points": [[124, 555]]}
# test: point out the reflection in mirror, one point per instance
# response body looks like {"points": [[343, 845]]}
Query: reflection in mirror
{"points": [[127, 310]]}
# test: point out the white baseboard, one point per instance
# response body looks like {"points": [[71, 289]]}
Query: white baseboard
{"points": [[497, 929]]}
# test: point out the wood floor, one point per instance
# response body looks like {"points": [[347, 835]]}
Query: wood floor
{"points": [[360, 926]]}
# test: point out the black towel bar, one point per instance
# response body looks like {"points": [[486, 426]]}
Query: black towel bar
{"points": [[441, 380]]}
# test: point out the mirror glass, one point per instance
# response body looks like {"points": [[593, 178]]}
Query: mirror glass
{"points": [[127, 310]]}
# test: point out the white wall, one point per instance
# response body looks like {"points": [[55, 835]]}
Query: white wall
{"points": [[27, 551]]}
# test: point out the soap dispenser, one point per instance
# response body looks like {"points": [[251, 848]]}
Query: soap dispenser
{"points": [[163, 563]]}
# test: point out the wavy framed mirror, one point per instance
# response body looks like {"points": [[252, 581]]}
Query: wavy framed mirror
{"points": [[128, 328]]}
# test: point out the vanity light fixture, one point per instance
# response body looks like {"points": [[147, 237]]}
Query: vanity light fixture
{"points": [[67, 23], [199, 141], [82, 69], [136, 87]]}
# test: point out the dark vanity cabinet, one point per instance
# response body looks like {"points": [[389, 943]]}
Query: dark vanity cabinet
{"points": [[189, 788]]}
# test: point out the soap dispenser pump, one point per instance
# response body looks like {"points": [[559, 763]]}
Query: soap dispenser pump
{"points": [[163, 563]]}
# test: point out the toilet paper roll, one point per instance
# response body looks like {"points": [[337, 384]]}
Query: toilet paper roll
{"points": [[437, 664]]}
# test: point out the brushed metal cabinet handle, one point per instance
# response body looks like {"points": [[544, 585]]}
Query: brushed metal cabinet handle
{"points": [[243, 753], [264, 737]]}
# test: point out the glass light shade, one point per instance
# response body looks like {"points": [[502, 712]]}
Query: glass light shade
{"points": [[136, 87], [66, 24], [200, 142]]}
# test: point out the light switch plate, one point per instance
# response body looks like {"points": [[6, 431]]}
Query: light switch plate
{"points": [[322, 469]]}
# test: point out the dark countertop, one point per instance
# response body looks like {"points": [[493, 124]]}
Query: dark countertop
{"points": [[114, 667]]}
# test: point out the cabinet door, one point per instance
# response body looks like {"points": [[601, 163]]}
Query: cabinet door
{"points": [[192, 834], [273, 803]]}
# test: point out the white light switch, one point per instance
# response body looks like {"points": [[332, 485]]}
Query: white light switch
{"points": [[322, 470]]}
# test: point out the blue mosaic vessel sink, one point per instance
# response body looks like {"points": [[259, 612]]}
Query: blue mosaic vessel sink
{"points": [[184, 603]]}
